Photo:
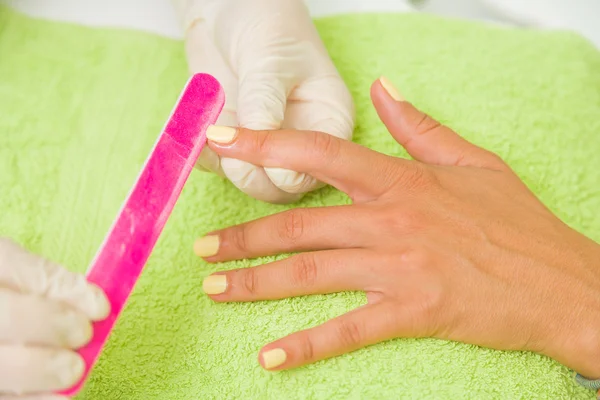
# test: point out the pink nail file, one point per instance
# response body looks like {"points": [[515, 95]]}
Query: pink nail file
{"points": [[121, 258]]}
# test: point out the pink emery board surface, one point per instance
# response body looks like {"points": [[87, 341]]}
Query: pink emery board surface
{"points": [[121, 258]]}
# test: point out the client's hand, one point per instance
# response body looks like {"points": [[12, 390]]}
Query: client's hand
{"points": [[452, 245]]}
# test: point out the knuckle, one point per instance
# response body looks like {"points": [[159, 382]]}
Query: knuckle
{"points": [[426, 125], [239, 238], [323, 146], [304, 270], [408, 220], [416, 177], [428, 297], [250, 281], [427, 313], [292, 226], [262, 141], [307, 348], [349, 333], [415, 258]]}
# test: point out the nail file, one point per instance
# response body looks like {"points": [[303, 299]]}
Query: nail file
{"points": [[121, 258]]}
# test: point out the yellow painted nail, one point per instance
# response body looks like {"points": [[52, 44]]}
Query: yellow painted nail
{"points": [[391, 89], [274, 358], [214, 284], [207, 246], [221, 134]]}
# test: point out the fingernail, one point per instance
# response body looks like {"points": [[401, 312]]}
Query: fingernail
{"points": [[274, 358], [207, 246], [390, 89], [214, 284], [221, 134], [68, 367]]}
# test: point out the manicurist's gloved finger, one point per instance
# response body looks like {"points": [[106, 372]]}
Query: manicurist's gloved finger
{"points": [[38, 369], [33, 319], [30, 274]]}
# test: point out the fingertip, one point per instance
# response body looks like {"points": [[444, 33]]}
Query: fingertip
{"points": [[384, 89], [78, 330], [387, 101], [99, 306], [67, 367]]}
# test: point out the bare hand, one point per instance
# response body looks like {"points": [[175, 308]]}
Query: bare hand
{"points": [[452, 245]]}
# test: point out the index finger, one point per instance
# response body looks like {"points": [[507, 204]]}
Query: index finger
{"points": [[361, 173]]}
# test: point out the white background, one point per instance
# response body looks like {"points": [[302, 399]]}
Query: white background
{"points": [[157, 16]]}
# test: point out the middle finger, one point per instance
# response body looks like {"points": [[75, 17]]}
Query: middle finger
{"points": [[301, 229], [319, 272]]}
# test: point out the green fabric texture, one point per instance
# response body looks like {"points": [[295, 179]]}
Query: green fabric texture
{"points": [[80, 109]]}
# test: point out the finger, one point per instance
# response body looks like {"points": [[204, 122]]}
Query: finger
{"points": [[424, 138], [300, 229], [291, 181], [320, 104], [362, 327], [361, 173], [30, 274], [26, 370], [300, 275], [30, 319], [265, 82], [268, 67]]}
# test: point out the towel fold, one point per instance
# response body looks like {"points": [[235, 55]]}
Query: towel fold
{"points": [[80, 108]]}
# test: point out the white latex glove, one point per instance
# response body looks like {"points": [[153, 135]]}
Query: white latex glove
{"points": [[276, 73], [45, 313]]}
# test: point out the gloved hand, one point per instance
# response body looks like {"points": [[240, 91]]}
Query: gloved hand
{"points": [[45, 313], [276, 73]]}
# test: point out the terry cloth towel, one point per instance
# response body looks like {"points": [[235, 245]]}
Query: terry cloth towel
{"points": [[80, 109]]}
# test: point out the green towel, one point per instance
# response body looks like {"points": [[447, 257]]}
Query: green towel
{"points": [[80, 109]]}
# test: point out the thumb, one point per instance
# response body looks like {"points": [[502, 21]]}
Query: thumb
{"points": [[262, 101], [424, 138], [265, 81], [267, 71]]}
